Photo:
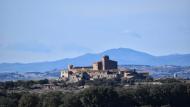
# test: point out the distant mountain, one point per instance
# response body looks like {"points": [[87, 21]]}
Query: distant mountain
{"points": [[122, 55]]}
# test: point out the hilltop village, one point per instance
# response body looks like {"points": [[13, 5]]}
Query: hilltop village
{"points": [[103, 69]]}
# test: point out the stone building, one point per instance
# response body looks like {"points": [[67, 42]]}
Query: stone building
{"points": [[132, 74], [79, 69], [74, 77], [103, 74], [105, 64], [105, 68]]}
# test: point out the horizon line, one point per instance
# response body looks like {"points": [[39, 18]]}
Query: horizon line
{"points": [[20, 62]]}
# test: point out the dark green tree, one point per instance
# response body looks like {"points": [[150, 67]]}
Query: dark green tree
{"points": [[71, 100], [52, 99], [7, 102], [28, 100], [99, 97]]}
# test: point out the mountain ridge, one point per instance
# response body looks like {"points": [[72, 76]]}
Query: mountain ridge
{"points": [[124, 56]]}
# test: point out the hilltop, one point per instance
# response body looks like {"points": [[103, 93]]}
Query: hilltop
{"points": [[124, 56]]}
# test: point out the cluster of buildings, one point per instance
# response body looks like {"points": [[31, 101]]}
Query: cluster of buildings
{"points": [[103, 69]]}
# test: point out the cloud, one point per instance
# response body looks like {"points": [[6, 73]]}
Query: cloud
{"points": [[131, 34]]}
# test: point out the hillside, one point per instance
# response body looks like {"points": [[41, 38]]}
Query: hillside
{"points": [[122, 55]]}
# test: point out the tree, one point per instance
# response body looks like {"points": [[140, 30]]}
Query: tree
{"points": [[14, 97], [28, 100], [45, 81], [7, 102], [9, 85], [71, 100], [179, 95], [52, 99], [142, 95], [158, 95], [127, 98], [99, 97]]}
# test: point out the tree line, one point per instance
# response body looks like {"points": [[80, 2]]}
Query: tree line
{"points": [[166, 95]]}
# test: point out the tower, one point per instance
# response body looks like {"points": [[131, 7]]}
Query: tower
{"points": [[70, 67], [105, 59]]}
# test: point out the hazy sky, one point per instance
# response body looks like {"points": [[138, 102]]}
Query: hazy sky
{"points": [[43, 30]]}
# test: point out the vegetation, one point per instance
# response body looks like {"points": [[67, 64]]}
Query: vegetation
{"points": [[21, 83], [28, 100], [104, 93]]}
